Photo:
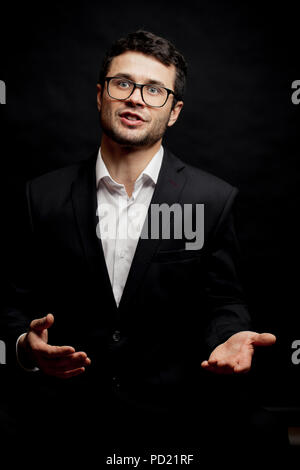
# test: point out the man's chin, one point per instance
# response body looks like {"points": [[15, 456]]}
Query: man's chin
{"points": [[132, 141]]}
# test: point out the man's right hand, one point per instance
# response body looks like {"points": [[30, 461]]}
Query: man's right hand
{"points": [[60, 361]]}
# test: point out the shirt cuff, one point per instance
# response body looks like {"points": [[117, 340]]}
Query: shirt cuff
{"points": [[34, 369]]}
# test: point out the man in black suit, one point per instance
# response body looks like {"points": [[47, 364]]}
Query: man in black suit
{"points": [[137, 323]]}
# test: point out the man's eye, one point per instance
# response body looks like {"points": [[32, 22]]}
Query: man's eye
{"points": [[123, 84], [153, 90]]}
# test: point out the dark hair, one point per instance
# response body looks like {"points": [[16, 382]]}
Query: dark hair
{"points": [[152, 45]]}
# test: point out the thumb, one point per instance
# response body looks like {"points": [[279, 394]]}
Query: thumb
{"points": [[264, 339], [44, 323]]}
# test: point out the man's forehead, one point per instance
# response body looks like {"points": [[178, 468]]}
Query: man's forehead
{"points": [[142, 68]]}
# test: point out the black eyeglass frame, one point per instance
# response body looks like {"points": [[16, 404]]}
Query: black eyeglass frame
{"points": [[141, 86]]}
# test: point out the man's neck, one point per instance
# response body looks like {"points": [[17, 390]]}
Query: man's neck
{"points": [[125, 164]]}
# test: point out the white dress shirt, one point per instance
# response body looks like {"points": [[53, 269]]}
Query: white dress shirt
{"points": [[121, 218]]}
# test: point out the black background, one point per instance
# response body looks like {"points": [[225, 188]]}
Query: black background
{"points": [[238, 122]]}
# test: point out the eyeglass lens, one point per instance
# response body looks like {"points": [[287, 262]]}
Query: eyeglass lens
{"points": [[153, 95]]}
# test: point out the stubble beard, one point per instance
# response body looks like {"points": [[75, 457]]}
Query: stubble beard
{"points": [[145, 139]]}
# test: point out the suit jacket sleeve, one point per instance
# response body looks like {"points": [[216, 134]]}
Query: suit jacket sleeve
{"points": [[228, 313], [21, 301]]}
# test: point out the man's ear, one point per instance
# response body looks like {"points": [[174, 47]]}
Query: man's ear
{"points": [[175, 113], [99, 96]]}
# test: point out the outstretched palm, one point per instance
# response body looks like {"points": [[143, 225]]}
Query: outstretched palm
{"points": [[235, 355]]}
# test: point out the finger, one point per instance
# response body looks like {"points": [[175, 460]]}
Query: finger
{"points": [[40, 324], [73, 361], [213, 361], [241, 369], [70, 373], [226, 366], [219, 366], [264, 339], [226, 370], [53, 352]]}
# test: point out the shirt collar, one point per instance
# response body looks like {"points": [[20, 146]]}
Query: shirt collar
{"points": [[150, 172]]}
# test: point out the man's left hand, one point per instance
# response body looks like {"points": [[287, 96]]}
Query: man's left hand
{"points": [[235, 355]]}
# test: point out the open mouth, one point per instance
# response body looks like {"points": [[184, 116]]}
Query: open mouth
{"points": [[131, 119]]}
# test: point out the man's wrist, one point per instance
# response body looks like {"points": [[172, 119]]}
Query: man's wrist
{"points": [[23, 358]]}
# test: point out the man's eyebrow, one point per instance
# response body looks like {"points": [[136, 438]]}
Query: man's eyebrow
{"points": [[150, 80]]}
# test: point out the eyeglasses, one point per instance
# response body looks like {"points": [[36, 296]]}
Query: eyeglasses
{"points": [[120, 88]]}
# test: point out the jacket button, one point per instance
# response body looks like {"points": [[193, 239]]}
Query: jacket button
{"points": [[116, 382], [116, 336]]}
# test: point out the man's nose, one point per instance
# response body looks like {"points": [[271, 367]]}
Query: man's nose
{"points": [[136, 97]]}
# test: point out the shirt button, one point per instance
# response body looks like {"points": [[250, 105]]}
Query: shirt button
{"points": [[116, 336]]}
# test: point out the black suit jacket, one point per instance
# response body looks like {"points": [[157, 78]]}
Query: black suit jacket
{"points": [[177, 304]]}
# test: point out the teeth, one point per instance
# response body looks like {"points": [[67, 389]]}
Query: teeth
{"points": [[131, 118]]}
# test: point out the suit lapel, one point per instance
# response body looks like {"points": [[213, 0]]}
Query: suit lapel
{"points": [[84, 198], [168, 188]]}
